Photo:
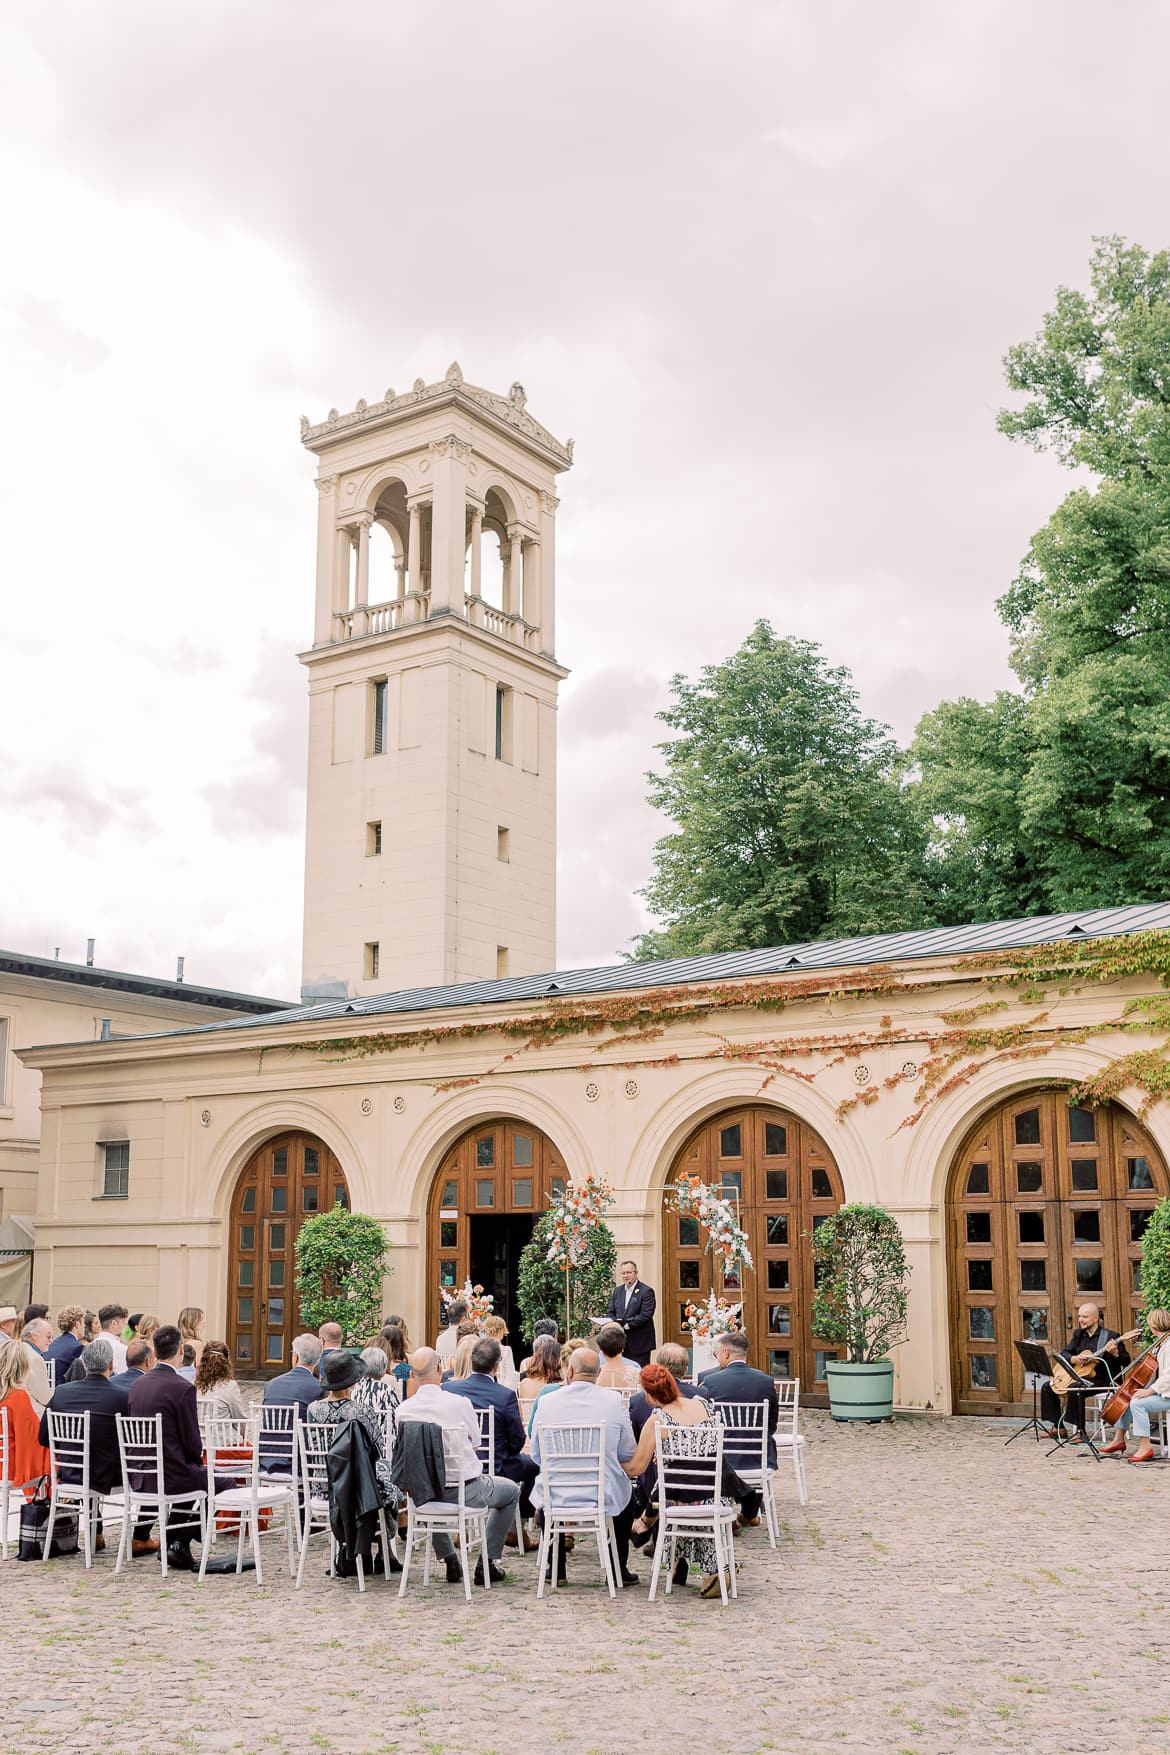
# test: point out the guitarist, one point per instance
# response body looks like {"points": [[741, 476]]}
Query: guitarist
{"points": [[1090, 1341]]}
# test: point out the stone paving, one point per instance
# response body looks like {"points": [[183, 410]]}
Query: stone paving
{"points": [[940, 1592]]}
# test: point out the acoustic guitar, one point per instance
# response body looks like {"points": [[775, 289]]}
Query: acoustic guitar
{"points": [[1072, 1373]]}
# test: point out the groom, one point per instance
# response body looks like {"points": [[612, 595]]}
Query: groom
{"points": [[632, 1305]]}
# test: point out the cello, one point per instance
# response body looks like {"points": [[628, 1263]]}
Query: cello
{"points": [[1141, 1373]]}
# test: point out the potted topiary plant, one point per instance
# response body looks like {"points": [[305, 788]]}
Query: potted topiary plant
{"points": [[341, 1262], [860, 1303]]}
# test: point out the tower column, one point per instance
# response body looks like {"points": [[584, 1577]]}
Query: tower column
{"points": [[324, 630], [514, 571], [548, 533], [414, 558], [531, 597], [361, 590], [476, 550]]}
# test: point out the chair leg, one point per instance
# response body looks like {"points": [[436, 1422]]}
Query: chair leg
{"points": [[798, 1460], [487, 1565], [288, 1530], [241, 1532], [254, 1517], [542, 1559], [769, 1484], [603, 1557], [465, 1565], [304, 1543], [162, 1534], [49, 1525], [406, 1558], [659, 1547]]}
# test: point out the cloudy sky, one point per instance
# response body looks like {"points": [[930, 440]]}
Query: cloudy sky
{"points": [[761, 261]]}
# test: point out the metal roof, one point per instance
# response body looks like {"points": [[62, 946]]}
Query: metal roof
{"points": [[147, 986], [888, 947]]}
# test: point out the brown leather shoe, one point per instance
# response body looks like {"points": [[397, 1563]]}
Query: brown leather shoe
{"points": [[143, 1545], [99, 1544]]}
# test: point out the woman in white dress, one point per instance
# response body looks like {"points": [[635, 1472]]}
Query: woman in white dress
{"points": [[497, 1330]]}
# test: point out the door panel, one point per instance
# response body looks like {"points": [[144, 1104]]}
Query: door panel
{"points": [[285, 1182]]}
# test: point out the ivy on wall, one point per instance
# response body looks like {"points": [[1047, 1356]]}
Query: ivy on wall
{"points": [[963, 1041]]}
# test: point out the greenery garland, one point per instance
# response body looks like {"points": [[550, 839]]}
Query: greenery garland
{"points": [[964, 1041]]}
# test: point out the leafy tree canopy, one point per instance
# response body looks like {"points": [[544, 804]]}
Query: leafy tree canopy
{"points": [[791, 822], [341, 1260]]}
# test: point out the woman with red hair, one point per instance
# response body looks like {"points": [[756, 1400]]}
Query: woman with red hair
{"points": [[694, 1415]]}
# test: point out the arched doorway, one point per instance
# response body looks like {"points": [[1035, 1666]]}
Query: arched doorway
{"points": [[291, 1177], [488, 1193], [786, 1183], [1046, 1207]]}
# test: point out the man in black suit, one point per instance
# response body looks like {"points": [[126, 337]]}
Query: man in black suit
{"points": [[734, 1380], [96, 1395], [482, 1391], [632, 1305], [139, 1359], [162, 1391]]}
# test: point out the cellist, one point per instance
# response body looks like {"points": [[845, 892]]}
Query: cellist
{"points": [[1090, 1339], [1153, 1399]]}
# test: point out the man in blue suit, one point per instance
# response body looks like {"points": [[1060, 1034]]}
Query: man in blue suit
{"points": [[139, 1359], [299, 1387], [734, 1380], [482, 1391], [632, 1305]]}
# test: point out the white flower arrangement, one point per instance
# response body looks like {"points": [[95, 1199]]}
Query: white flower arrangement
{"points": [[574, 1215], [727, 1239], [480, 1304], [715, 1317]]}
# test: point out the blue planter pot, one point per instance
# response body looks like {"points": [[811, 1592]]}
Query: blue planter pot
{"points": [[860, 1392]]}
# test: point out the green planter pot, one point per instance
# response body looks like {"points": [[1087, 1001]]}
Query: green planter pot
{"points": [[860, 1392]]}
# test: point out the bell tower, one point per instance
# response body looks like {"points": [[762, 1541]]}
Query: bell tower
{"points": [[431, 834]]}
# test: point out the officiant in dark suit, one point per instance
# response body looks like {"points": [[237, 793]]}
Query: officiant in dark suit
{"points": [[632, 1305]]}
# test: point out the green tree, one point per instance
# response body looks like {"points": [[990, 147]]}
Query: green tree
{"points": [[1059, 798], [341, 1261], [1156, 1261], [791, 823], [541, 1283]]}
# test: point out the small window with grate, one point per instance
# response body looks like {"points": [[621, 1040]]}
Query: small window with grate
{"points": [[373, 840], [379, 729]]}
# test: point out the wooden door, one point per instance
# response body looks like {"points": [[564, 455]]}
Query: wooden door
{"points": [[1047, 1205], [289, 1179], [501, 1167], [785, 1182]]}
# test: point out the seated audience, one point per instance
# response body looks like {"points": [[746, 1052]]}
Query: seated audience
{"points": [[188, 1358], [163, 1392], [33, 1313], [99, 1397], [496, 1329], [139, 1359], [461, 1363], [543, 1373], [28, 1458], [299, 1385], [191, 1329], [449, 1338], [617, 1372], [331, 1336], [582, 1403], [732, 1379], [69, 1342], [147, 1326], [217, 1394], [671, 1409], [482, 1388], [675, 1359], [432, 1404], [339, 1372]]}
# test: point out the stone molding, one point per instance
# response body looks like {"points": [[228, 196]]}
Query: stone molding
{"points": [[509, 411]]}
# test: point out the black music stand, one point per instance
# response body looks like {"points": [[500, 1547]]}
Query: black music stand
{"points": [[1090, 1389], [1034, 1359]]}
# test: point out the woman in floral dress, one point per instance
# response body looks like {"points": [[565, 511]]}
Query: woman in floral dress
{"points": [[695, 1417]]}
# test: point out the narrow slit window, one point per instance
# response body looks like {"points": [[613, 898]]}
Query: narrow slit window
{"points": [[380, 697], [502, 851], [372, 960], [373, 840]]}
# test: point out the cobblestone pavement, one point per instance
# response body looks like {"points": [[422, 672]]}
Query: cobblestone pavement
{"points": [[939, 1592]]}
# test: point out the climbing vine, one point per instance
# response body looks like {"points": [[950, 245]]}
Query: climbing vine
{"points": [[948, 1052]]}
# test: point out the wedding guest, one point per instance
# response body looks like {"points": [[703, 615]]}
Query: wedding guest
{"points": [[544, 1372], [331, 1336], [163, 1392], [113, 1319], [28, 1458], [449, 1338], [542, 1327], [98, 1396], [147, 1326], [139, 1360], [299, 1385], [395, 1343], [496, 1329], [461, 1363], [34, 1313], [432, 1403], [188, 1356], [36, 1337], [483, 1389], [69, 1342], [582, 1403], [377, 1391], [617, 1372], [218, 1396], [732, 1379], [340, 1371], [694, 1416], [191, 1329]]}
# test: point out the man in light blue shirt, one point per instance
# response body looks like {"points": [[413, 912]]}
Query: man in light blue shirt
{"points": [[582, 1403]]}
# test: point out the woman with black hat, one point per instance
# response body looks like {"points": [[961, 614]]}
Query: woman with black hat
{"points": [[339, 1372]]}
